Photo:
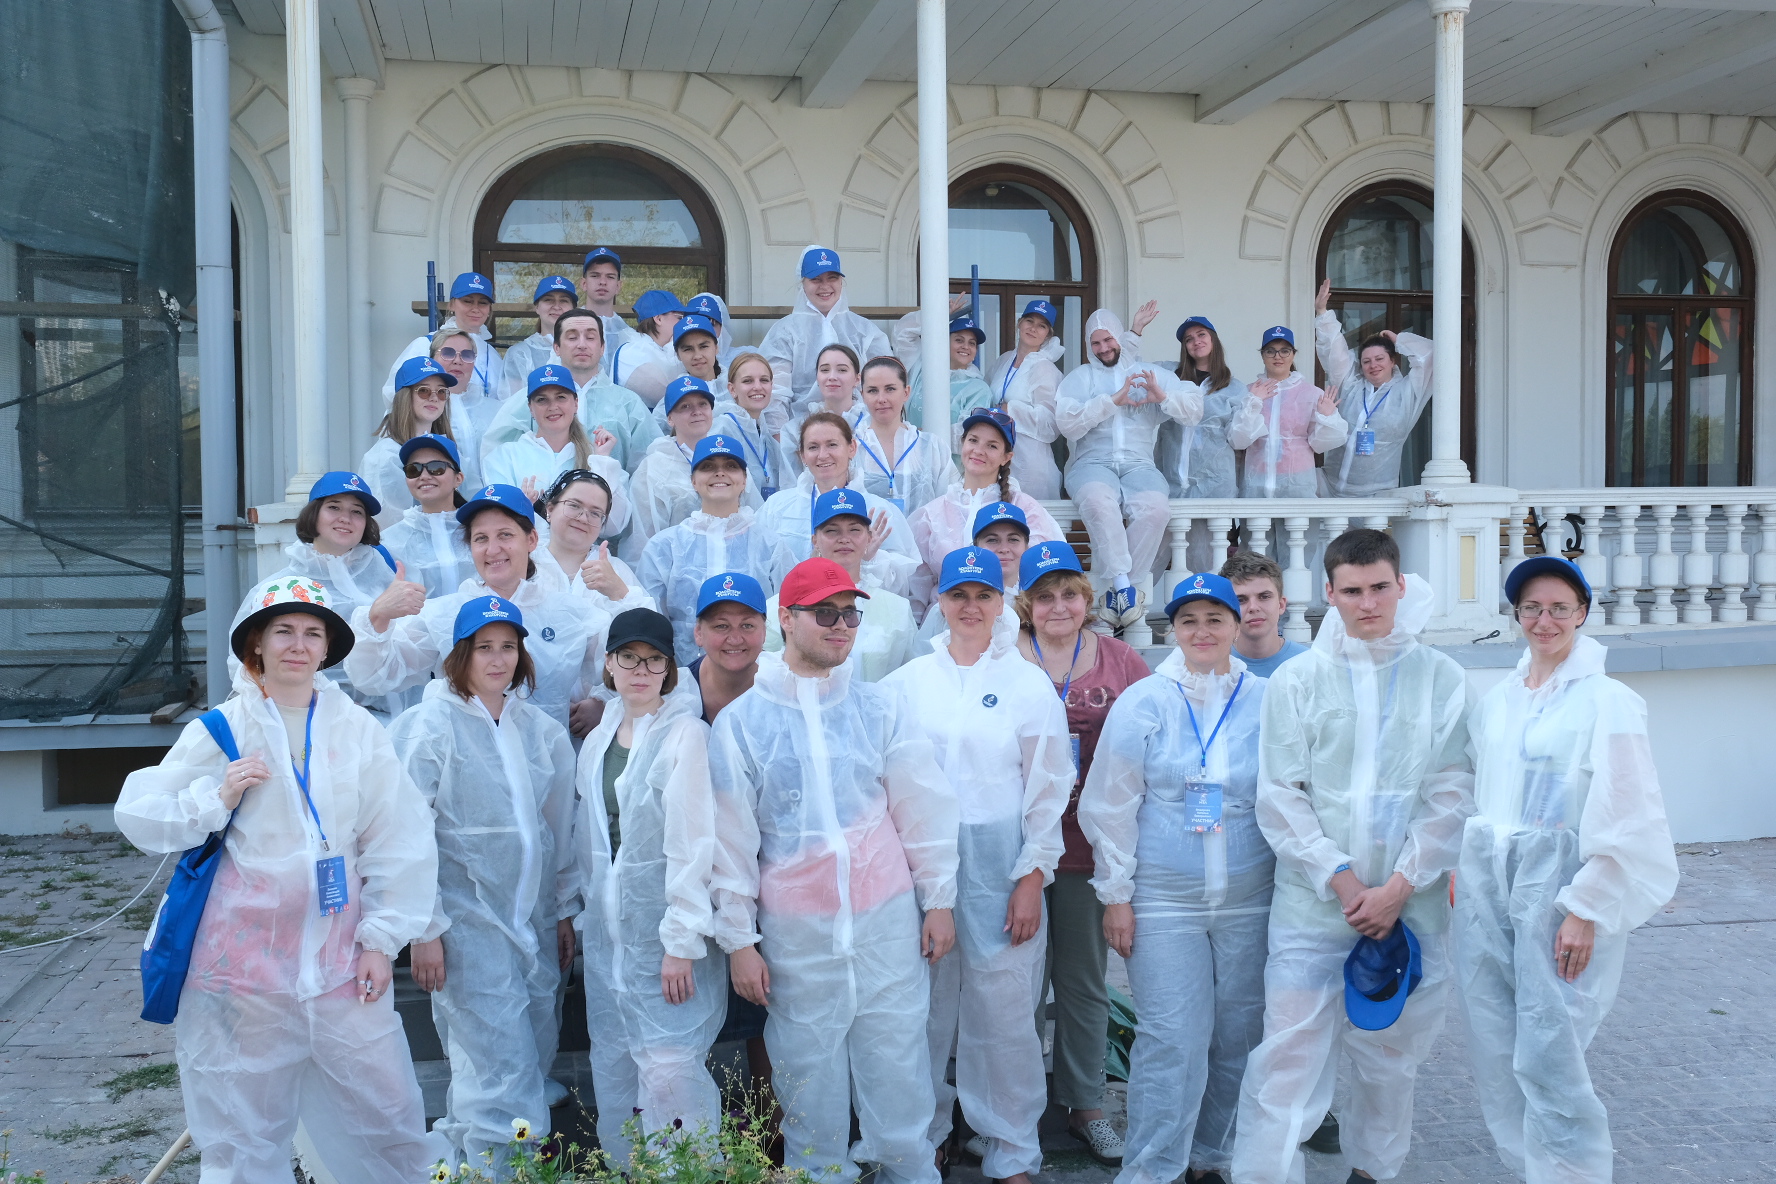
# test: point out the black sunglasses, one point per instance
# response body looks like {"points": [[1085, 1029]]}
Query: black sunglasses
{"points": [[436, 468], [826, 616]]}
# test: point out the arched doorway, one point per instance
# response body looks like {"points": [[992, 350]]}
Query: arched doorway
{"points": [[544, 215], [1377, 250], [1680, 345]]}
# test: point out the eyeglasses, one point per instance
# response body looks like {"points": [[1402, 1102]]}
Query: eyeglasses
{"points": [[1277, 351], [454, 354], [434, 468], [579, 509], [826, 616], [1560, 612], [629, 660]]}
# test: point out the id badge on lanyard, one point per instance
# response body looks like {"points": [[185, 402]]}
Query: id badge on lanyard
{"points": [[1073, 740], [1202, 805], [898, 503], [330, 886], [1365, 442]]}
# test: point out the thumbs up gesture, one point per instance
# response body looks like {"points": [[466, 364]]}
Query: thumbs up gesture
{"points": [[601, 576], [402, 598]]}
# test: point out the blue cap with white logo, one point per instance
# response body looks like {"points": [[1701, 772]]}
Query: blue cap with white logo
{"points": [[472, 283], [335, 483], [601, 255], [694, 323], [706, 306], [1379, 976], [1204, 586], [1043, 558], [971, 565], [552, 375], [416, 370], [967, 325], [710, 446], [685, 384], [656, 302], [817, 261], [1043, 309], [837, 502], [730, 587], [1000, 512], [504, 497], [996, 418], [480, 611], [1545, 565], [1205, 323], [554, 283], [1277, 333], [443, 444]]}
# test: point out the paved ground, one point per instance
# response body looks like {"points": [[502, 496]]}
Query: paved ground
{"points": [[1686, 1062]]}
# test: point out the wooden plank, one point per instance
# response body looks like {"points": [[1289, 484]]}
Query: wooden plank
{"points": [[76, 312], [743, 17]]}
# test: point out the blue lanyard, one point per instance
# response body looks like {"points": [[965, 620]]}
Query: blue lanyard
{"points": [[302, 773], [1202, 747], [1006, 385], [858, 427], [764, 461], [1077, 642], [1367, 413]]}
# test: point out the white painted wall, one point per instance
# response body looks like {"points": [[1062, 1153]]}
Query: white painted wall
{"points": [[24, 791]]}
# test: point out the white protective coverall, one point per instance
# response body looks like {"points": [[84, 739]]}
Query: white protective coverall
{"points": [[636, 597], [1363, 761], [651, 900], [529, 456], [431, 548], [968, 387], [885, 640], [680, 558], [1000, 735], [793, 346], [1026, 392], [915, 469], [767, 468], [947, 522], [644, 366], [539, 350], [270, 1029], [566, 641], [1207, 468], [1111, 473], [663, 494], [724, 341], [1201, 901], [835, 827], [1391, 412], [489, 378], [353, 579], [618, 410], [502, 797], [790, 515], [1570, 820], [1280, 436]]}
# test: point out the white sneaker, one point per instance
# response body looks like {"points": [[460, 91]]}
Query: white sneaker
{"points": [[554, 1093], [977, 1146], [1101, 1140]]}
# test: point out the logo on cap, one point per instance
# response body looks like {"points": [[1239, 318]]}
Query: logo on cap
{"points": [[968, 564], [354, 482], [475, 281], [719, 446], [839, 503], [1043, 558], [824, 260], [727, 588], [1199, 582], [489, 493], [493, 608]]}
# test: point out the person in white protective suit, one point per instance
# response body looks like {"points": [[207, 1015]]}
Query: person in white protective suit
{"points": [[1568, 852], [645, 363], [471, 308], [1379, 404], [403, 637], [559, 442], [664, 486], [601, 280], [1186, 878], [821, 317], [498, 775], [714, 309], [578, 508], [696, 340], [835, 828], [603, 405], [838, 385], [472, 409], [655, 993], [421, 408], [722, 535], [1110, 410], [427, 539], [1206, 463], [1001, 528], [1023, 382], [1283, 419], [286, 1013], [741, 414], [1364, 784], [968, 387], [901, 463], [554, 296], [1000, 735], [827, 451]]}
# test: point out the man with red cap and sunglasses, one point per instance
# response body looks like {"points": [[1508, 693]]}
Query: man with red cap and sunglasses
{"points": [[835, 830]]}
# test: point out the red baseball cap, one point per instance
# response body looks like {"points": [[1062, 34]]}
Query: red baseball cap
{"points": [[812, 581]]}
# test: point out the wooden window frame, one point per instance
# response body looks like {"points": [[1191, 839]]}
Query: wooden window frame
{"points": [[1085, 287]]}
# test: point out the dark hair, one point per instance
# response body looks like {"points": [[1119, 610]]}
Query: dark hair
{"points": [[666, 687], [646, 325], [884, 361], [1361, 547], [456, 666], [1004, 477], [826, 417], [1243, 566], [1215, 365], [715, 337], [568, 479], [308, 521], [528, 525], [842, 348], [1392, 353], [578, 311]]}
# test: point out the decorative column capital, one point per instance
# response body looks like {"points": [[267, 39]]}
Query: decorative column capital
{"points": [[1439, 7], [355, 88]]}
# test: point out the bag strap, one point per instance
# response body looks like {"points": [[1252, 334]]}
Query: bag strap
{"points": [[217, 725], [386, 558]]}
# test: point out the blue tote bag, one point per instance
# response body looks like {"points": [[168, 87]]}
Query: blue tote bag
{"points": [[166, 955]]}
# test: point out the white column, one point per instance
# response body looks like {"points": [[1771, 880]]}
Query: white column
{"points": [[934, 216], [308, 244], [355, 93], [1446, 464]]}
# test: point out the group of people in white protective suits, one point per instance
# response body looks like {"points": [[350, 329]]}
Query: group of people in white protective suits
{"points": [[841, 759]]}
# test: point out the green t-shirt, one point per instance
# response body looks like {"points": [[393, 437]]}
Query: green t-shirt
{"points": [[616, 759]]}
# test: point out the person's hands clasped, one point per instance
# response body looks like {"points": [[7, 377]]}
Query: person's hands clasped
{"points": [[750, 976], [937, 936], [241, 776], [1155, 391], [1124, 397], [675, 979], [1372, 912], [1023, 914], [426, 961], [1119, 927], [1573, 946]]}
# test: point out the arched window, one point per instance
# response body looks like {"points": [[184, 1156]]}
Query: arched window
{"points": [[1377, 252], [1680, 346], [1029, 238], [545, 214]]}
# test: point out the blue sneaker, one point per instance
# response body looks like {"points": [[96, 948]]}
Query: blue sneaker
{"points": [[1119, 600]]}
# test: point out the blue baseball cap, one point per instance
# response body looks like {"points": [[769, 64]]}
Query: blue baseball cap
{"points": [[694, 323], [967, 325], [1545, 565], [443, 444], [730, 587], [601, 255], [340, 481], [837, 502], [685, 384], [1379, 976], [1206, 323], [504, 497], [717, 445], [1204, 586], [551, 375], [554, 283], [472, 283], [817, 261], [654, 302], [971, 565], [414, 370], [999, 512], [996, 418], [1043, 309], [479, 611], [1043, 558], [1276, 333], [706, 306]]}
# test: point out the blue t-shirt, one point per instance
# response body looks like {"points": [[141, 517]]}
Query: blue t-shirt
{"points": [[1265, 667]]}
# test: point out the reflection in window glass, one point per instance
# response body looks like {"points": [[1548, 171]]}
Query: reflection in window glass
{"points": [[1012, 232], [514, 282], [1678, 251], [1712, 385], [599, 200], [1385, 243]]}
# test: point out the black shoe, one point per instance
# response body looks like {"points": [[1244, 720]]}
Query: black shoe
{"points": [[1358, 1178], [1325, 1140]]}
